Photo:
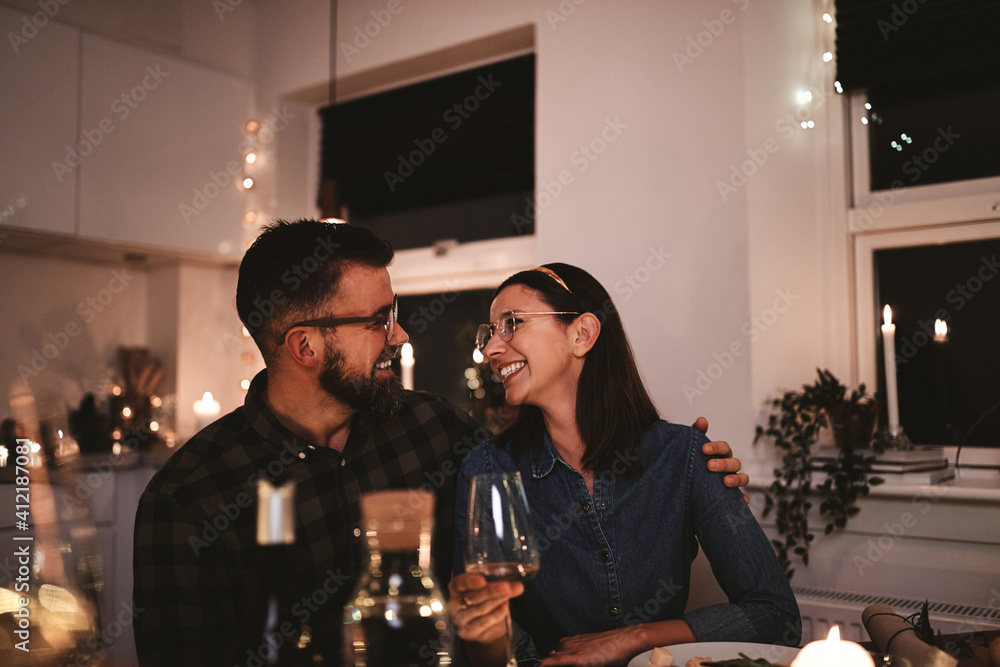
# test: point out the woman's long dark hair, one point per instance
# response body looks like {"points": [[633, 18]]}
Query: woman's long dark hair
{"points": [[612, 404]]}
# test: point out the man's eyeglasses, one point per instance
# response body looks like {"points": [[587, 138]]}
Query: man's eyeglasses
{"points": [[388, 321], [507, 323]]}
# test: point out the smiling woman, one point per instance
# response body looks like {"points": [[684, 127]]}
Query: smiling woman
{"points": [[620, 499]]}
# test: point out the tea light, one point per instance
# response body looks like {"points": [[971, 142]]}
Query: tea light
{"points": [[832, 652]]}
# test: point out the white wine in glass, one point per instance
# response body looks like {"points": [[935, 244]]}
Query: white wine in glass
{"points": [[500, 539]]}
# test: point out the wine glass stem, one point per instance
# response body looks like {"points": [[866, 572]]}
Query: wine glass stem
{"points": [[509, 632]]}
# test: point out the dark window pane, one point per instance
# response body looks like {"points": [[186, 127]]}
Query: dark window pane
{"points": [[442, 329], [949, 391], [466, 220], [934, 137]]}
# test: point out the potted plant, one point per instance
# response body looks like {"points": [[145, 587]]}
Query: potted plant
{"points": [[794, 426]]}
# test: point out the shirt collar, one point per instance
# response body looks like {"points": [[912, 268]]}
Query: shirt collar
{"points": [[545, 460], [264, 421]]}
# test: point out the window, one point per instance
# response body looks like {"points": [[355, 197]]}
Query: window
{"points": [[948, 393]]}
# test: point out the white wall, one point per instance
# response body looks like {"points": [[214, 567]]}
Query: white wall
{"points": [[74, 315], [681, 127]]}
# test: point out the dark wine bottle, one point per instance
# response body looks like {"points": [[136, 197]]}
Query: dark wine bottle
{"points": [[396, 616], [270, 635]]}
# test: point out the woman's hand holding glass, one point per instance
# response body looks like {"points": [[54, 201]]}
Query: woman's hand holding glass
{"points": [[500, 553], [479, 608]]}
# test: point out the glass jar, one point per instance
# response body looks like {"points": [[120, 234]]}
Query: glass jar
{"points": [[396, 616]]}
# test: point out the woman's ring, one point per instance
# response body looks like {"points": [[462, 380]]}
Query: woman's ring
{"points": [[466, 602]]}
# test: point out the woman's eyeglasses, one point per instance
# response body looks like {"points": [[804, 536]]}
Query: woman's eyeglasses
{"points": [[507, 322], [388, 321]]}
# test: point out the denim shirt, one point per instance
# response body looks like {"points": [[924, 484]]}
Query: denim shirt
{"points": [[623, 556]]}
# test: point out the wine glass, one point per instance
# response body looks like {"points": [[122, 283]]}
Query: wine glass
{"points": [[500, 540]]}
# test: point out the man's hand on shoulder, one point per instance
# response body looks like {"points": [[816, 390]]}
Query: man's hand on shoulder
{"points": [[727, 463]]}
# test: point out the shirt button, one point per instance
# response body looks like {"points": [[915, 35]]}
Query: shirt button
{"points": [[604, 505], [585, 506], [613, 611], [605, 556], [343, 462], [310, 447], [357, 532], [302, 455]]}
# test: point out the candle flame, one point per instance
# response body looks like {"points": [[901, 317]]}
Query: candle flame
{"points": [[940, 328], [406, 353], [207, 397], [887, 314], [833, 644]]}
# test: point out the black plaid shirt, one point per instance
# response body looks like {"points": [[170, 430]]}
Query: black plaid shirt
{"points": [[194, 556]]}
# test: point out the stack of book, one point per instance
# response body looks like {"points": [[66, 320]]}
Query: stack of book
{"points": [[920, 465]]}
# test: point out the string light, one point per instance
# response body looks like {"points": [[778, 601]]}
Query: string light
{"points": [[804, 96], [251, 157], [839, 88], [827, 18], [247, 182], [827, 57]]}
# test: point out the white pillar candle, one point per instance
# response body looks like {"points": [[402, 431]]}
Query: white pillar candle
{"points": [[832, 652], [889, 350], [206, 410], [406, 365]]}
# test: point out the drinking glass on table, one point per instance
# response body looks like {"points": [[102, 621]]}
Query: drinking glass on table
{"points": [[500, 541]]}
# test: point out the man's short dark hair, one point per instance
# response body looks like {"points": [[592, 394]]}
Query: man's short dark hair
{"points": [[293, 268]]}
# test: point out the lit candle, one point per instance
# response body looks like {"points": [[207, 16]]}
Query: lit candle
{"points": [[832, 652], [941, 371], [889, 351], [406, 365], [940, 331], [3, 456], [206, 410]]}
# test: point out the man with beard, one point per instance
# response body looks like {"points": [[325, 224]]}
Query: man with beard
{"points": [[328, 413]]}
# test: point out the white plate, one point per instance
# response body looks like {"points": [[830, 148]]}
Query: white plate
{"points": [[721, 651]]}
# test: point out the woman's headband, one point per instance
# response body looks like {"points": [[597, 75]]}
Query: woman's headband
{"points": [[552, 274]]}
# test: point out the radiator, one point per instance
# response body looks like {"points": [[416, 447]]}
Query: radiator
{"points": [[822, 608]]}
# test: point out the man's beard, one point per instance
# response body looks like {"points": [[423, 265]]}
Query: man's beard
{"points": [[372, 398]]}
